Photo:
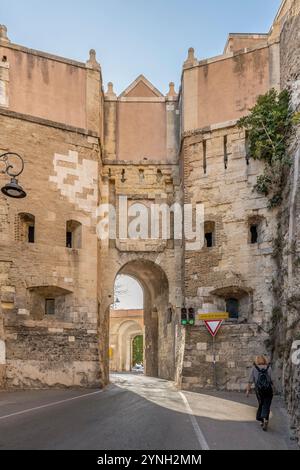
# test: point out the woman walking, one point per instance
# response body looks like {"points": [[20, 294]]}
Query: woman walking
{"points": [[261, 377]]}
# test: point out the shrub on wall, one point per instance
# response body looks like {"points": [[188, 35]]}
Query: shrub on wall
{"points": [[269, 127]]}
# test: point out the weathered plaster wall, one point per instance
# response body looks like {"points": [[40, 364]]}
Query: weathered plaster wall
{"points": [[50, 87], [141, 124], [46, 88], [137, 124], [238, 41], [223, 88]]}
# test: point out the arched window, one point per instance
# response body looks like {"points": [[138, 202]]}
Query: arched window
{"points": [[25, 227], [209, 234], [236, 301], [73, 234]]}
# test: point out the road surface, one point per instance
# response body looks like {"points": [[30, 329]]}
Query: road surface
{"points": [[136, 412]]}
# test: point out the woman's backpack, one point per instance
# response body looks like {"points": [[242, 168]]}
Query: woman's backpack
{"points": [[264, 382]]}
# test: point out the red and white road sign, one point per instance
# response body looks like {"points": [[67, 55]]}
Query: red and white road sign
{"points": [[213, 326]]}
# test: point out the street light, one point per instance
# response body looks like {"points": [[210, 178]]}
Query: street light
{"points": [[12, 189]]}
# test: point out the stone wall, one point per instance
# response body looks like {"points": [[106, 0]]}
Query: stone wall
{"points": [[286, 325], [233, 267], [61, 180], [234, 347]]}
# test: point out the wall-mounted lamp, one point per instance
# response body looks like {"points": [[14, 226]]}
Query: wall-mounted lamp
{"points": [[12, 189]]}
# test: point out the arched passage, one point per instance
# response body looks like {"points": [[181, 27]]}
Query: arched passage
{"points": [[159, 351]]}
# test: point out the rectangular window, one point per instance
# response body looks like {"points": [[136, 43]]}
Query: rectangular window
{"points": [[170, 315], [49, 306], [31, 234], [253, 234], [209, 239], [232, 307], [69, 240]]}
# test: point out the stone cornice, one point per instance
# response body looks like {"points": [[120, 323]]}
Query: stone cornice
{"points": [[44, 55], [138, 164], [46, 122], [227, 56], [211, 128]]}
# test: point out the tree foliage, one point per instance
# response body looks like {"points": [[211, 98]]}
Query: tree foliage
{"points": [[269, 127]]}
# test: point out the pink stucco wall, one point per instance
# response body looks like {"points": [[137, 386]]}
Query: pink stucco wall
{"points": [[46, 88], [141, 131], [228, 88]]}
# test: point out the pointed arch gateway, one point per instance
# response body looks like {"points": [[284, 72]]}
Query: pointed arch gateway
{"points": [[155, 286]]}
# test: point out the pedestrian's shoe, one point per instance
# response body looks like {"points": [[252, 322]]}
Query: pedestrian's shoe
{"points": [[265, 425]]}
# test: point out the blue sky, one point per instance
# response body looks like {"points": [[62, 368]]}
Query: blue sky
{"points": [[129, 293], [134, 36]]}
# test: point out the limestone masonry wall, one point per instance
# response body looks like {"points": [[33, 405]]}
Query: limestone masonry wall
{"points": [[233, 267], [39, 345]]}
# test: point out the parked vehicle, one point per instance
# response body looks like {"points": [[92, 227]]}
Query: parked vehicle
{"points": [[138, 368]]}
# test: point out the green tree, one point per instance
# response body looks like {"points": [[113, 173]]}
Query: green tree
{"points": [[137, 350]]}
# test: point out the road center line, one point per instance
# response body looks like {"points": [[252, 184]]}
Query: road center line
{"points": [[47, 405], [200, 436]]}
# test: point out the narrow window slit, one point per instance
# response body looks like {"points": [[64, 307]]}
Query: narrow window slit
{"points": [[254, 234], [204, 156], [225, 144], [247, 147]]}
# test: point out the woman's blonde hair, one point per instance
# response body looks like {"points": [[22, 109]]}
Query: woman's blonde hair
{"points": [[261, 360]]}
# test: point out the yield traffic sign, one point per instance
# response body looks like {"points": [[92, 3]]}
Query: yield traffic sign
{"points": [[213, 326]]}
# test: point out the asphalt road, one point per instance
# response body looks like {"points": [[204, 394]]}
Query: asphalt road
{"points": [[136, 412]]}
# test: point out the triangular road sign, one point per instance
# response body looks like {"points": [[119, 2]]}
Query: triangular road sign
{"points": [[213, 326]]}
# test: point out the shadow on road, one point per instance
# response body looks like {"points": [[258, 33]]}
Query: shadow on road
{"points": [[134, 412]]}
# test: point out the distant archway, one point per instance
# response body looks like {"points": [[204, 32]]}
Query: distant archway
{"points": [[121, 337]]}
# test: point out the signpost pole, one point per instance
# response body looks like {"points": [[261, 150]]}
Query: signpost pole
{"points": [[214, 363], [213, 322]]}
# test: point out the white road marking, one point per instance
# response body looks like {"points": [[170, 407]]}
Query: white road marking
{"points": [[200, 436], [50, 404]]}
